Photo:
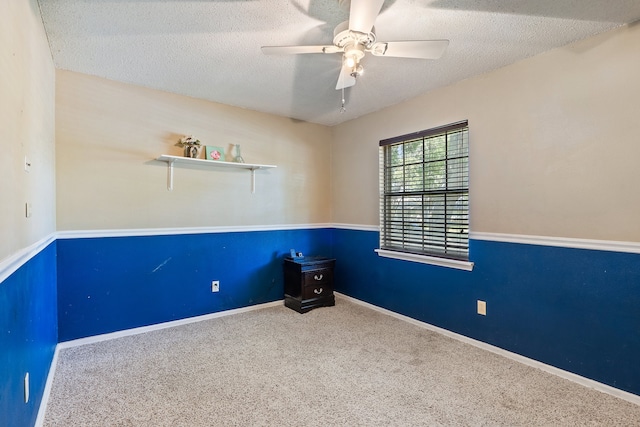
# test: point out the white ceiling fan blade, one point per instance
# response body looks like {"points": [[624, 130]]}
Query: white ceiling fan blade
{"points": [[421, 49], [295, 50], [345, 79], [363, 14]]}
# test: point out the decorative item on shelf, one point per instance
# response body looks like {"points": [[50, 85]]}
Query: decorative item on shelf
{"points": [[214, 153], [191, 146], [238, 158]]}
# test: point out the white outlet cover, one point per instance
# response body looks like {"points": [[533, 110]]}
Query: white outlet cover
{"points": [[26, 387], [27, 164], [482, 307]]}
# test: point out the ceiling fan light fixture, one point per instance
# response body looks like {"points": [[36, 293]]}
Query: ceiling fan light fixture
{"points": [[350, 61], [354, 50]]}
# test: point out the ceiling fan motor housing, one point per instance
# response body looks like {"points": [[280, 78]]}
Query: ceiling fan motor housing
{"points": [[342, 36]]}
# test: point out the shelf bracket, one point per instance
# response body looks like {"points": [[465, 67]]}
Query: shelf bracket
{"points": [[170, 175], [209, 164]]}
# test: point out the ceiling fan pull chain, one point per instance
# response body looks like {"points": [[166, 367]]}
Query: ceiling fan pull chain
{"points": [[342, 109]]}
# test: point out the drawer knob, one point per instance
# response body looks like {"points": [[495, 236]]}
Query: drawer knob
{"points": [[318, 277], [317, 291]]}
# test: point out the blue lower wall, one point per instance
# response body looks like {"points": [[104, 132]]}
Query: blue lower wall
{"points": [[115, 283], [28, 336], [576, 309]]}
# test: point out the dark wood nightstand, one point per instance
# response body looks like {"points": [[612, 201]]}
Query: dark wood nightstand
{"points": [[308, 283]]}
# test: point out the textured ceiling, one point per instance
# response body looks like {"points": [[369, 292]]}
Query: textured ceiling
{"points": [[211, 49]]}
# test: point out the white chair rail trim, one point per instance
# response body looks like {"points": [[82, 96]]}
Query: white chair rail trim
{"points": [[9, 265], [357, 227], [563, 242], [12, 263], [136, 232]]}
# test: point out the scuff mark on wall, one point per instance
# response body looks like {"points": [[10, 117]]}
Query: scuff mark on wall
{"points": [[161, 265]]}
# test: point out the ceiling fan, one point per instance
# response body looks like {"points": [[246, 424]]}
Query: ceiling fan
{"points": [[355, 37]]}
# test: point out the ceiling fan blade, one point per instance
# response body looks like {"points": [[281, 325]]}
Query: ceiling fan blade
{"points": [[422, 49], [345, 79], [295, 50], [363, 14]]}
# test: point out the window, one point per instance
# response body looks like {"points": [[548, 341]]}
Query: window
{"points": [[424, 193]]}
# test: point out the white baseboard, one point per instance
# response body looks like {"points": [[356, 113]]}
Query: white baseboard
{"points": [[47, 389], [164, 325], [586, 382]]}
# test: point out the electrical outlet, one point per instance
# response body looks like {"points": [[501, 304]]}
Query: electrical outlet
{"points": [[215, 286], [26, 388], [27, 164], [482, 307]]}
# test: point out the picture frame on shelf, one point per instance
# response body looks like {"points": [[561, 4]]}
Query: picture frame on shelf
{"points": [[214, 153]]}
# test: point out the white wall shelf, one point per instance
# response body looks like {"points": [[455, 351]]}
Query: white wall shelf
{"points": [[171, 160]]}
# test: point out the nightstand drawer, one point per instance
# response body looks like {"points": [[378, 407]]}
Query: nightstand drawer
{"points": [[317, 291], [318, 277]]}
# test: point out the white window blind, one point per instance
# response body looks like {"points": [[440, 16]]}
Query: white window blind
{"points": [[424, 192]]}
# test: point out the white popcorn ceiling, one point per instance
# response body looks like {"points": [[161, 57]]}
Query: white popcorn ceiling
{"points": [[211, 49]]}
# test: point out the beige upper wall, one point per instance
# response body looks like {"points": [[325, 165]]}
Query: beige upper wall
{"points": [[553, 148], [108, 134], [26, 127], [554, 143]]}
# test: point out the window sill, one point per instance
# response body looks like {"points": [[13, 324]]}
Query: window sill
{"points": [[424, 259]]}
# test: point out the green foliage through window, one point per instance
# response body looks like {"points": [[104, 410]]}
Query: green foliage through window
{"points": [[424, 192]]}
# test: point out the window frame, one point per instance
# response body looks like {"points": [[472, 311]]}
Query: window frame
{"points": [[450, 249]]}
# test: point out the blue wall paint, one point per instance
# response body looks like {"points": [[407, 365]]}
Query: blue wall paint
{"points": [[117, 283], [575, 309], [578, 310], [28, 335]]}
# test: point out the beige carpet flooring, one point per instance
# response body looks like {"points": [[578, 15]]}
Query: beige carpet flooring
{"points": [[346, 365]]}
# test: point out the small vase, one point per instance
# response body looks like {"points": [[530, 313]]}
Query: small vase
{"points": [[192, 151], [238, 158]]}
